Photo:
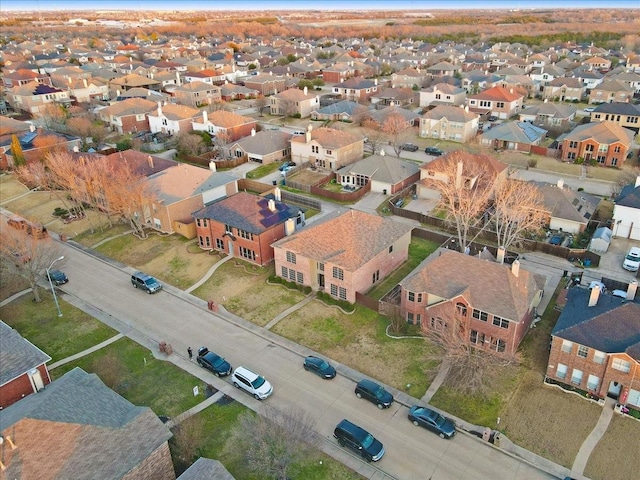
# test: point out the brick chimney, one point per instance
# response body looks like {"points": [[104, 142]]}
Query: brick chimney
{"points": [[595, 294], [515, 268], [150, 161], [500, 255], [631, 290]]}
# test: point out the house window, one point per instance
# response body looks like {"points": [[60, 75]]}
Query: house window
{"points": [[247, 235], [248, 254], [419, 298], [198, 223], [292, 275], [411, 296], [207, 241], [228, 229], [561, 371], [291, 257], [320, 267], [462, 309], [480, 315], [573, 144], [342, 293], [500, 322], [390, 248], [583, 351], [598, 357], [334, 290], [499, 104], [476, 337], [593, 382], [204, 222], [410, 318], [285, 272], [576, 376], [219, 244], [498, 345], [567, 346], [375, 276], [328, 152], [299, 277], [315, 149], [338, 273], [621, 365]]}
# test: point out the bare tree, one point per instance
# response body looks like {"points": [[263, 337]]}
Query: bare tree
{"points": [[190, 143], [52, 115], [471, 369], [397, 129], [222, 141], [360, 115], [465, 188], [275, 441], [374, 134], [90, 133], [260, 103], [518, 208], [27, 257]]}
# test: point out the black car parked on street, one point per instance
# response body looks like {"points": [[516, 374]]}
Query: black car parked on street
{"points": [[213, 362]]}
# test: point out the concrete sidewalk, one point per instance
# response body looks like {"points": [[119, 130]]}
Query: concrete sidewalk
{"points": [[86, 352], [594, 437]]}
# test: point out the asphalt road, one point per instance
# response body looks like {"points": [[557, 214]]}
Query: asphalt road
{"points": [[172, 316]]}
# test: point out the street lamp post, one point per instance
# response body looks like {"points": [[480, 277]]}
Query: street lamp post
{"points": [[55, 299]]}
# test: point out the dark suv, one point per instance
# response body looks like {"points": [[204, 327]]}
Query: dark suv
{"points": [[145, 282], [359, 440], [374, 393], [436, 152]]}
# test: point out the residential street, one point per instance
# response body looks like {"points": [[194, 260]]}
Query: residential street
{"points": [[183, 320]]}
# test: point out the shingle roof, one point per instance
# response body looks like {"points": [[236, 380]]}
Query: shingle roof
{"points": [[247, 212], [90, 431], [17, 354], [329, 137], [602, 132], [519, 132], [488, 286], [620, 108], [264, 142], [567, 204], [451, 113], [206, 469], [183, 181], [349, 240], [611, 326], [130, 106], [497, 94], [629, 197], [382, 168]]}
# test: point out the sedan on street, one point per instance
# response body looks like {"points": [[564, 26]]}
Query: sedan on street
{"points": [[213, 362], [320, 367], [431, 420]]}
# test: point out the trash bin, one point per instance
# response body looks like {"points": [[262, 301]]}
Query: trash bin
{"points": [[497, 439], [275, 182], [384, 191]]}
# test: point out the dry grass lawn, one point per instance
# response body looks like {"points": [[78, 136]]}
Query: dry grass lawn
{"points": [[243, 290], [10, 188], [617, 454], [359, 341], [548, 421]]}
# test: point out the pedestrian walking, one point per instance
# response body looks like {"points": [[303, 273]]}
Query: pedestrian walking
{"points": [[190, 352]]}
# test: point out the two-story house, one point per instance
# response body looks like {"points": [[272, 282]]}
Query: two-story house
{"points": [[229, 125], [606, 142], [625, 114], [172, 119], [442, 94], [245, 225], [343, 256], [496, 101], [356, 89], [549, 116], [595, 346], [266, 146], [626, 212], [196, 94], [294, 102], [35, 97], [490, 305], [611, 91], [128, 116], [564, 88], [449, 123], [326, 148], [409, 77]]}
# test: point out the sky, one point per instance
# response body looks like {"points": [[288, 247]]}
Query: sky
{"points": [[149, 5]]}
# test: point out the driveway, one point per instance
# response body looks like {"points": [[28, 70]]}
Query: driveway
{"points": [[182, 320], [611, 261]]}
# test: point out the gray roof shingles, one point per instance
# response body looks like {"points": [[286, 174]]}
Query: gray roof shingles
{"points": [[17, 355]]}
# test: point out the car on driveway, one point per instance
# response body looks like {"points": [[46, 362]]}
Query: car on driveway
{"points": [[285, 169], [213, 362], [632, 260], [286, 164], [251, 382], [436, 152], [320, 367], [58, 277], [409, 147], [432, 420], [374, 393]]}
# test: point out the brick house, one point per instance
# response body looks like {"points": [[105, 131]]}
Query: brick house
{"points": [[294, 102], [172, 119], [611, 91], [500, 102], [265, 147], [518, 136], [23, 367], [212, 77], [343, 256], [408, 77], [128, 116], [245, 225], [265, 84], [326, 148], [442, 94], [79, 428], [594, 344], [338, 72], [357, 89], [492, 304], [626, 115], [34, 97], [133, 80], [606, 142], [449, 123], [223, 123], [564, 88], [550, 116]]}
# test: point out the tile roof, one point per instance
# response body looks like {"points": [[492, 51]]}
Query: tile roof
{"points": [[17, 354], [90, 431], [611, 326], [247, 212], [486, 285], [349, 240]]}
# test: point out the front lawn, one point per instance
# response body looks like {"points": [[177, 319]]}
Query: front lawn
{"points": [[58, 337]]}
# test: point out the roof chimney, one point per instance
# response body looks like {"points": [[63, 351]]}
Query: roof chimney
{"points": [[595, 294], [84, 81], [631, 290], [150, 161], [32, 128], [560, 184], [277, 193], [500, 255], [272, 205], [205, 116], [159, 109], [307, 134], [212, 166], [515, 268], [305, 91]]}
